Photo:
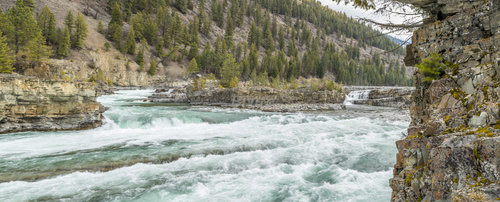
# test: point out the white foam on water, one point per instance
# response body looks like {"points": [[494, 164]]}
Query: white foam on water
{"points": [[292, 157]]}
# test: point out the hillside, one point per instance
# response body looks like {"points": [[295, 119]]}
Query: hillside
{"points": [[283, 39]]}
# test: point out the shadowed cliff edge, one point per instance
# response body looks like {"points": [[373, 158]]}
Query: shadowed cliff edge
{"points": [[452, 149]]}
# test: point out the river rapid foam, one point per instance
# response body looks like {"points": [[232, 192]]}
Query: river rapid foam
{"points": [[150, 152]]}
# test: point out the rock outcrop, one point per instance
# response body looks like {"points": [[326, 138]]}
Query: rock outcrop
{"points": [[269, 99], [452, 151], [397, 97], [259, 98], [32, 104]]}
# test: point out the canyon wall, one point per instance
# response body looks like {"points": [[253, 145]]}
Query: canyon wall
{"points": [[33, 104], [452, 151]]}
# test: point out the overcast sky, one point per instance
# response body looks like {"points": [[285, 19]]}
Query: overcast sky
{"points": [[349, 10]]}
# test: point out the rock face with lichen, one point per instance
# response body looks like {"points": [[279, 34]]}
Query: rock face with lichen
{"points": [[452, 151], [33, 104]]}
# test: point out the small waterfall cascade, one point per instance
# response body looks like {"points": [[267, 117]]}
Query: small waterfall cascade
{"points": [[356, 95]]}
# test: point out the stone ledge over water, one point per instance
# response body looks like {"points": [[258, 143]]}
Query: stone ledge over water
{"points": [[32, 104], [258, 98]]}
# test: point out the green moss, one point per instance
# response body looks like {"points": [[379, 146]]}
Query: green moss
{"points": [[477, 155], [497, 125], [457, 93], [455, 180], [409, 178], [446, 119], [484, 132], [485, 92]]}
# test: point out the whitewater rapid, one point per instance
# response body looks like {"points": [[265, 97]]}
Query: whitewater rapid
{"points": [[150, 152]]}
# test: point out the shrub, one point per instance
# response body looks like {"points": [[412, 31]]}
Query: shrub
{"points": [[330, 85], [432, 67], [234, 82], [107, 46]]}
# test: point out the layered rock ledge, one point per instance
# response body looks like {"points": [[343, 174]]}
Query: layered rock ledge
{"points": [[32, 104], [396, 97], [258, 98], [452, 151]]}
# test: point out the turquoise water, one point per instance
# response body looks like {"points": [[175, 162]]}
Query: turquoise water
{"points": [[147, 152]]}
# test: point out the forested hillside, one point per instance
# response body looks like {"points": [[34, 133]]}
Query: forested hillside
{"points": [[245, 40]]}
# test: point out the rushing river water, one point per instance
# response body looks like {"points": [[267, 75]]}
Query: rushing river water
{"points": [[147, 152]]}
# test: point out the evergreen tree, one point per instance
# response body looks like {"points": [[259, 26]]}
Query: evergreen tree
{"points": [[254, 35], [36, 50], [253, 58], [116, 15], [6, 57], [228, 37], [130, 43], [100, 27], [47, 23], [115, 31], [115, 25], [268, 42], [81, 31], [140, 60], [218, 13], [64, 43], [193, 67], [152, 67], [23, 26], [69, 21], [229, 70], [281, 39], [181, 5]]}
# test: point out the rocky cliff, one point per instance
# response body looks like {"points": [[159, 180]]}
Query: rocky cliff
{"points": [[29, 103], [452, 151]]}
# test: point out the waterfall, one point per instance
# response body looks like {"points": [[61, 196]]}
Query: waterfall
{"points": [[356, 95]]}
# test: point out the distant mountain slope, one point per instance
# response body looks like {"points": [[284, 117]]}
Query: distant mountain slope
{"points": [[399, 41], [282, 39]]}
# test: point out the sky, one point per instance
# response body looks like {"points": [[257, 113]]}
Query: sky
{"points": [[356, 13]]}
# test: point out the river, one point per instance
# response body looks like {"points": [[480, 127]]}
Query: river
{"points": [[151, 152]]}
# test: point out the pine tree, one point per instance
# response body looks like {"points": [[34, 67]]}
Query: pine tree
{"points": [[268, 42], [100, 27], [116, 15], [47, 23], [254, 35], [130, 43], [281, 39], [23, 28], [69, 21], [152, 67], [115, 25], [36, 50], [181, 5], [229, 70], [193, 67], [253, 58], [229, 33], [80, 31], [140, 60], [115, 31], [6, 56], [64, 43]]}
